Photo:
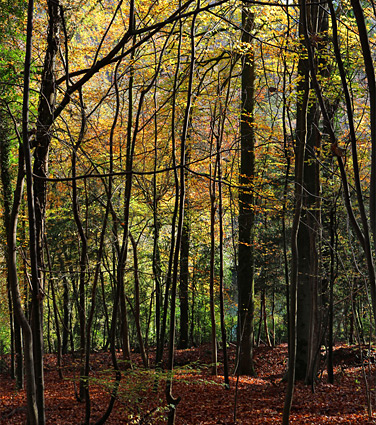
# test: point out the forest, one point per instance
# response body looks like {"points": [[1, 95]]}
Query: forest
{"points": [[188, 212]]}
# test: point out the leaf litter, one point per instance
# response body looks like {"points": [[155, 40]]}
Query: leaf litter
{"points": [[204, 398]]}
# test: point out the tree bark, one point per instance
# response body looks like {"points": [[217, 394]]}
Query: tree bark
{"points": [[309, 230], [300, 144], [33, 342], [15, 330], [246, 204], [371, 83], [173, 401], [31, 397], [184, 272], [83, 260], [136, 308]]}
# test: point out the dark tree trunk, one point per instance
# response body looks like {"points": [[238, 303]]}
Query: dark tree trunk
{"points": [[83, 262], [34, 414], [309, 230], [136, 308], [56, 315], [38, 190], [66, 316], [264, 316], [184, 276], [300, 144], [213, 208], [124, 330], [333, 249], [371, 84], [157, 270], [221, 129], [173, 401], [246, 205], [15, 330], [31, 396]]}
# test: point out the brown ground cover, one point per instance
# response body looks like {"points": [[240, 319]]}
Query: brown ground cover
{"points": [[204, 400]]}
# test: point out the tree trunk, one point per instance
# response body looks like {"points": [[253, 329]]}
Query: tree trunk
{"points": [[371, 84], [300, 144], [31, 396], [221, 266], [35, 249], [83, 247], [309, 230], [37, 189], [15, 330], [264, 317], [124, 330], [213, 207], [56, 315], [184, 275], [173, 401], [333, 246], [66, 316], [246, 204], [136, 308]]}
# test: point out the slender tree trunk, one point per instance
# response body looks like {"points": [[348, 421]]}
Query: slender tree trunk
{"points": [[90, 319], [120, 271], [212, 290], [12, 332], [118, 284], [221, 266], [173, 401], [124, 330], [66, 316], [184, 270], [136, 308], [123, 253], [56, 314], [213, 207], [333, 246], [31, 396], [37, 189], [37, 291], [83, 262], [106, 331], [157, 270], [15, 330], [300, 144], [264, 317], [159, 354], [183, 285], [286, 148], [193, 305], [273, 319], [18, 348]]}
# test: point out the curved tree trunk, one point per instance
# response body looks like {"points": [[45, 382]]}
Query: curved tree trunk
{"points": [[31, 396]]}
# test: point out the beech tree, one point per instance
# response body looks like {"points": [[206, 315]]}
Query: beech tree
{"points": [[309, 286], [246, 217]]}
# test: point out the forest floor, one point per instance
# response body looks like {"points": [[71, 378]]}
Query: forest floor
{"points": [[204, 399]]}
